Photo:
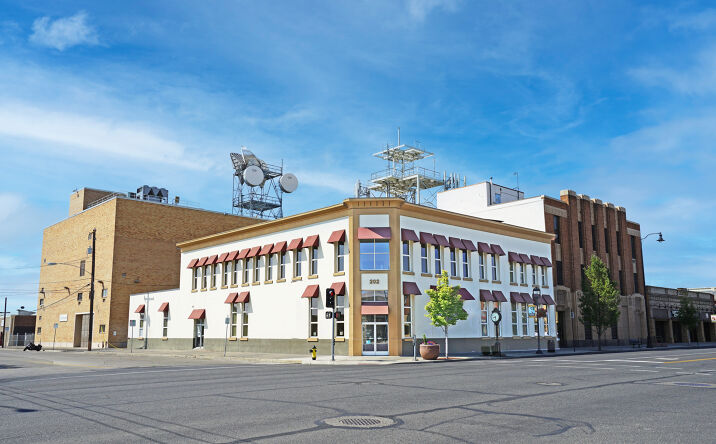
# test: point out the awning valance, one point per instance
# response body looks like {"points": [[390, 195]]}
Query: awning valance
{"points": [[546, 261], [486, 296], [408, 235], [266, 249], [279, 247], [366, 233], [140, 309], [231, 298], [243, 253], [311, 241], [441, 240], [374, 308], [253, 252], [516, 298], [469, 246], [337, 236], [525, 259], [339, 288], [242, 298], [410, 288], [482, 247], [497, 249], [192, 263], [514, 257], [211, 260], [498, 296], [456, 243], [536, 260], [201, 262], [295, 244], [222, 257], [198, 313], [311, 291], [164, 307], [465, 295], [232, 255], [547, 300], [427, 238]]}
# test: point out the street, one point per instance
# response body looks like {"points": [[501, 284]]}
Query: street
{"points": [[659, 395]]}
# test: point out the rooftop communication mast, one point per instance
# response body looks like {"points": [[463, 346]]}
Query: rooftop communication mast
{"points": [[259, 186], [404, 178]]}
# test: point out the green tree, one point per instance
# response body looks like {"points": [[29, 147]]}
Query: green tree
{"points": [[688, 316], [599, 303], [445, 306]]}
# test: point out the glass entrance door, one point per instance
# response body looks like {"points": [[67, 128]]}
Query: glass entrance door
{"points": [[375, 334], [198, 333]]}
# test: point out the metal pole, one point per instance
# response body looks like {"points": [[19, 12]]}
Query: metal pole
{"points": [[4, 311], [54, 337], [539, 348], [333, 334], [226, 337], [574, 343], [91, 293]]}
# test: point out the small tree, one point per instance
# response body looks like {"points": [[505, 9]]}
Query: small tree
{"points": [[445, 306], [688, 316], [600, 299]]}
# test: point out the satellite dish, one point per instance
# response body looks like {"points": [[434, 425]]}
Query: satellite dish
{"points": [[288, 183], [254, 176]]}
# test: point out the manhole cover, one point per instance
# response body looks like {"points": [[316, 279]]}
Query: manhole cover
{"points": [[360, 422]]}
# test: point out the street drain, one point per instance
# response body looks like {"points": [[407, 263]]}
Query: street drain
{"points": [[360, 422]]}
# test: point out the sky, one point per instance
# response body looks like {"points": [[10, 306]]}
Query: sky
{"points": [[612, 99]]}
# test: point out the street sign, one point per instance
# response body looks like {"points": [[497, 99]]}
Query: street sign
{"points": [[132, 322], [532, 311], [571, 314], [713, 318], [227, 320], [56, 325]]}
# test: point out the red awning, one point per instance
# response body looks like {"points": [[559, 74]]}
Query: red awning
{"points": [[242, 298], [427, 238], [408, 235], [192, 263], [232, 255], [527, 299], [211, 260], [339, 288], [311, 291], [465, 295], [253, 252], [374, 308], [497, 249], [279, 247], [525, 259], [311, 241], [547, 299], [365, 233], [337, 236], [546, 261], [199, 313], [486, 296], [514, 257], [243, 253], [536, 260], [457, 243], [295, 244], [441, 240], [482, 247], [231, 298], [498, 296], [222, 257], [140, 309], [266, 249], [515, 297], [469, 246], [201, 262], [410, 288], [164, 307]]}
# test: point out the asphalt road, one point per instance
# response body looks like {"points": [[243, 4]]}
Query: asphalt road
{"points": [[656, 396]]}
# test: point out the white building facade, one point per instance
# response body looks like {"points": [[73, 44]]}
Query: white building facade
{"points": [[263, 288]]}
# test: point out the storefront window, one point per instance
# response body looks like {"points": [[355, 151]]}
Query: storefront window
{"points": [[407, 316], [424, 261], [374, 295], [374, 255], [483, 318]]}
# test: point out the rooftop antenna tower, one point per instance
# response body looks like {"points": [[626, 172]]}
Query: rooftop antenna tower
{"points": [[259, 186], [403, 177]]}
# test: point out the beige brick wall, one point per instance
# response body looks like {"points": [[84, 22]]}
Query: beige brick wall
{"points": [[81, 198]]}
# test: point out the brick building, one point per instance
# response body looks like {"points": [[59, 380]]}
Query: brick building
{"points": [[583, 227], [664, 304], [135, 251]]}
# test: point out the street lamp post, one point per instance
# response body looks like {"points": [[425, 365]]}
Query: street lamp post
{"points": [[649, 340], [536, 293]]}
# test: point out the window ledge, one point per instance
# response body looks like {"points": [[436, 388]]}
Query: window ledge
{"points": [[340, 339], [437, 275], [232, 339], [193, 291], [427, 275], [312, 340], [409, 273], [203, 289], [268, 282], [339, 273], [496, 282], [313, 276], [243, 339], [256, 283], [483, 280], [212, 288], [234, 285], [545, 286], [245, 285], [524, 285], [224, 286], [296, 279], [467, 279], [280, 280], [164, 338], [457, 278]]}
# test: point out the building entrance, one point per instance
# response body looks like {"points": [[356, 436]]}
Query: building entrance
{"points": [[676, 329], [81, 330], [375, 335], [198, 333]]}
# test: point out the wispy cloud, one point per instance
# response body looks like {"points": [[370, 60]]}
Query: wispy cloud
{"points": [[699, 21], [420, 9], [697, 79], [64, 32]]}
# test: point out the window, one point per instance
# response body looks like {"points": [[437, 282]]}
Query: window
{"points": [[374, 255], [283, 258], [42, 302], [374, 295], [555, 222], [594, 237], [606, 240], [515, 320], [39, 317], [580, 235], [141, 325], [636, 283], [406, 255], [424, 262], [438, 260], [340, 313], [340, 249], [196, 272], [79, 297], [498, 198], [239, 319], [248, 263], [615, 331], [523, 313], [633, 246], [482, 266], [534, 274], [245, 320], [270, 263], [234, 318], [495, 264], [82, 268], [560, 274], [214, 275], [543, 275], [465, 264], [257, 269], [453, 262], [407, 316], [314, 260], [102, 328], [313, 318], [39, 330], [522, 274], [483, 318], [513, 273], [297, 259], [227, 273], [204, 276], [619, 244], [165, 324], [235, 272], [104, 293], [545, 321]]}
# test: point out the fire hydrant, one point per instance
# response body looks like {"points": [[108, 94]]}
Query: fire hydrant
{"points": [[313, 351]]}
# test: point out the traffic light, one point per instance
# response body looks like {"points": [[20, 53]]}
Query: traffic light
{"points": [[330, 298]]}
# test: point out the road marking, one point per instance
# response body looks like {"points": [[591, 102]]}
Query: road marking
{"points": [[100, 374], [689, 360], [650, 371]]}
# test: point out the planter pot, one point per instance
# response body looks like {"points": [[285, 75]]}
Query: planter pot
{"points": [[429, 352]]}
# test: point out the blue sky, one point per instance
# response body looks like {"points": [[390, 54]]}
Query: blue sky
{"points": [[611, 99]]}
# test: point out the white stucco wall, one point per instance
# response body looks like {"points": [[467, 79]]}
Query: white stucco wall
{"points": [[471, 200]]}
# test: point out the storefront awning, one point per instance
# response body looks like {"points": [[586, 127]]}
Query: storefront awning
{"points": [[547, 300], [242, 298], [337, 236], [427, 238], [222, 257], [469, 246], [295, 244], [243, 253], [266, 249], [516, 298], [525, 259], [253, 252], [339, 288], [232, 255], [456, 243], [279, 247], [526, 298], [231, 298], [465, 295], [441, 240], [482, 247], [311, 241], [164, 307], [211, 260], [546, 261], [514, 257], [486, 296], [199, 313], [498, 296], [374, 308], [411, 288], [366, 233], [408, 235], [192, 263], [497, 249], [536, 260], [201, 262], [311, 291], [140, 309]]}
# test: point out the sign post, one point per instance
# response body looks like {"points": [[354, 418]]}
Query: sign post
{"points": [[227, 320], [54, 336], [496, 317], [132, 323], [331, 303]]}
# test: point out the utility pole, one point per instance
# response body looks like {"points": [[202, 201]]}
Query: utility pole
{"points": [[91, 293], [4, 312]]}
